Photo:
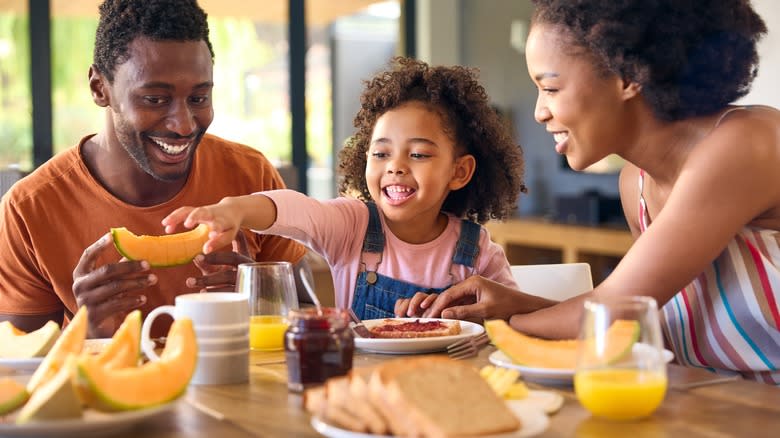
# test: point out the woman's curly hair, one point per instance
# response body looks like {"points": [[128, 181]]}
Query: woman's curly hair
{"points": [[691, 57], [122, 21], [476, 128]]}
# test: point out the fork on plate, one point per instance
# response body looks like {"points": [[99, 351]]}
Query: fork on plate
{"points": [[467, 347]]}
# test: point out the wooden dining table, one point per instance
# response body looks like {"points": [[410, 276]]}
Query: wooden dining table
{"points": [[263, 407]]}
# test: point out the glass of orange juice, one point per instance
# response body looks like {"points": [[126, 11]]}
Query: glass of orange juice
{"points": [[621, 372], [270, 287]]}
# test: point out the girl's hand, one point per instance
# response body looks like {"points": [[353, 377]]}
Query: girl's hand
{"points": [[222, 218]]}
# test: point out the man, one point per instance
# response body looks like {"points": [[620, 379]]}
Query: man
{"points": [[152, 72]]}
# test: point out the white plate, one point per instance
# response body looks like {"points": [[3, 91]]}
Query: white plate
{"points": [[414, 345], [95, 346], [534, 422], [28, 366], [23, 366], [550, 376], [93, 423]]}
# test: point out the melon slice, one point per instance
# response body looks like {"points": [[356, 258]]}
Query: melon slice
{"points": [[70, 341], [55, 399], [7, 328], [15, 343], [153, 383], [557, 354], [12, 395], [124, 350], [161, 251]]}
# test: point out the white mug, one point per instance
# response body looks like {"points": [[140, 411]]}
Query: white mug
{"points": [[221, 322]]}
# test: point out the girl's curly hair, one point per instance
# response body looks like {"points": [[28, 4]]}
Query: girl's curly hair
{"points": [[476, 128], [691, 57]]}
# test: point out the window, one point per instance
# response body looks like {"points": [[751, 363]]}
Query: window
{"points": [[15, 94], [251, 75], [345, 47]]}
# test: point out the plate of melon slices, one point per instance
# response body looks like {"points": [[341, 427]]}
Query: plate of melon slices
{"points": [[92, 423], [557, 376], [21, 366]]}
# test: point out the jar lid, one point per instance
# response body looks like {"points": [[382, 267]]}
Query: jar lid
{"points": [[313, 318]]}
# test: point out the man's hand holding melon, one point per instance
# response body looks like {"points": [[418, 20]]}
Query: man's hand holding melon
{"points": [[109, 291], [112, 290]]}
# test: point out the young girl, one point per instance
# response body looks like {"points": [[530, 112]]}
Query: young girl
{"points": [[701, 190], [429, 157]]}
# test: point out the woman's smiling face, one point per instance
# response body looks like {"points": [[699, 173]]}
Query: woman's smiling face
{"points": [[579, 104]]}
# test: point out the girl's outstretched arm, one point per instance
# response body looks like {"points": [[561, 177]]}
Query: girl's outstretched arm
{"points": [[225, 218]]}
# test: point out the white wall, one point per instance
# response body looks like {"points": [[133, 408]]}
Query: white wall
{"points": [[438, 27], [766, 89]]}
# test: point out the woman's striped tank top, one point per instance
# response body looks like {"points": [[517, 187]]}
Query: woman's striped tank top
{"points": [[728, 319]]}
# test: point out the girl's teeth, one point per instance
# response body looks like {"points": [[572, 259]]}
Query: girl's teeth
{"points": [[398, 192], [560, 137]]}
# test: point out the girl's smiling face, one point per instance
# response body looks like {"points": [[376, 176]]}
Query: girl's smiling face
{"points": [[412, 165], [580, 105]]}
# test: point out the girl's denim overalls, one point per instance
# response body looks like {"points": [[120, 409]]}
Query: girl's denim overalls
{"points": [[376, 294]]}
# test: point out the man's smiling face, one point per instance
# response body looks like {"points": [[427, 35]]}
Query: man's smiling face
{"points": [[161, 104]]}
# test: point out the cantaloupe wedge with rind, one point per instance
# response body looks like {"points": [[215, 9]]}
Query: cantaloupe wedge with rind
{"points": [[124, 350], [71, 341], [55, 399], [161, 251], [12, 395], [15, 343], [151, 384], [558, 354]]}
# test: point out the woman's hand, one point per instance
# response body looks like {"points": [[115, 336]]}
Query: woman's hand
{"points": [[476, 299], [414, 306]]}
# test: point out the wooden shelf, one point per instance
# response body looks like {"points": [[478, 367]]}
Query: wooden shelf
{"points": [[532, 241]]}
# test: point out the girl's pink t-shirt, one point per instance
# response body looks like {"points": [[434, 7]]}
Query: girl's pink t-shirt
{"points": [[335, 229]]}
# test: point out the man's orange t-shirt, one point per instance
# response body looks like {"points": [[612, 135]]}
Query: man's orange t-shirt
{"points": [[50, 217]]}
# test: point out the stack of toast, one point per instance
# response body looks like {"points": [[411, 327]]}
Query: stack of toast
{"points": [[416, 397]]}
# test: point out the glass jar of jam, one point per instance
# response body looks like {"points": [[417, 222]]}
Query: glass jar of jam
{"points": [[317, 346]]}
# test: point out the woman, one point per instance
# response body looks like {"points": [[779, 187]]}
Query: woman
{"points": [[653, 82]]}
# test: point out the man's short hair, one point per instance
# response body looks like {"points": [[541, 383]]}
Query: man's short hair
{"points": [[122, 21]]}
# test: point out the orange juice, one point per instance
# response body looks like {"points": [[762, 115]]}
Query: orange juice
{"points": [[266, 332], [620, 394]]}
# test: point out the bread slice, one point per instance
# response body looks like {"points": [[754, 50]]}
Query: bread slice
{"points": [[413, 328], [361, 403], [314, 400], [395, 420], [437, 397], [340, 408]]}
